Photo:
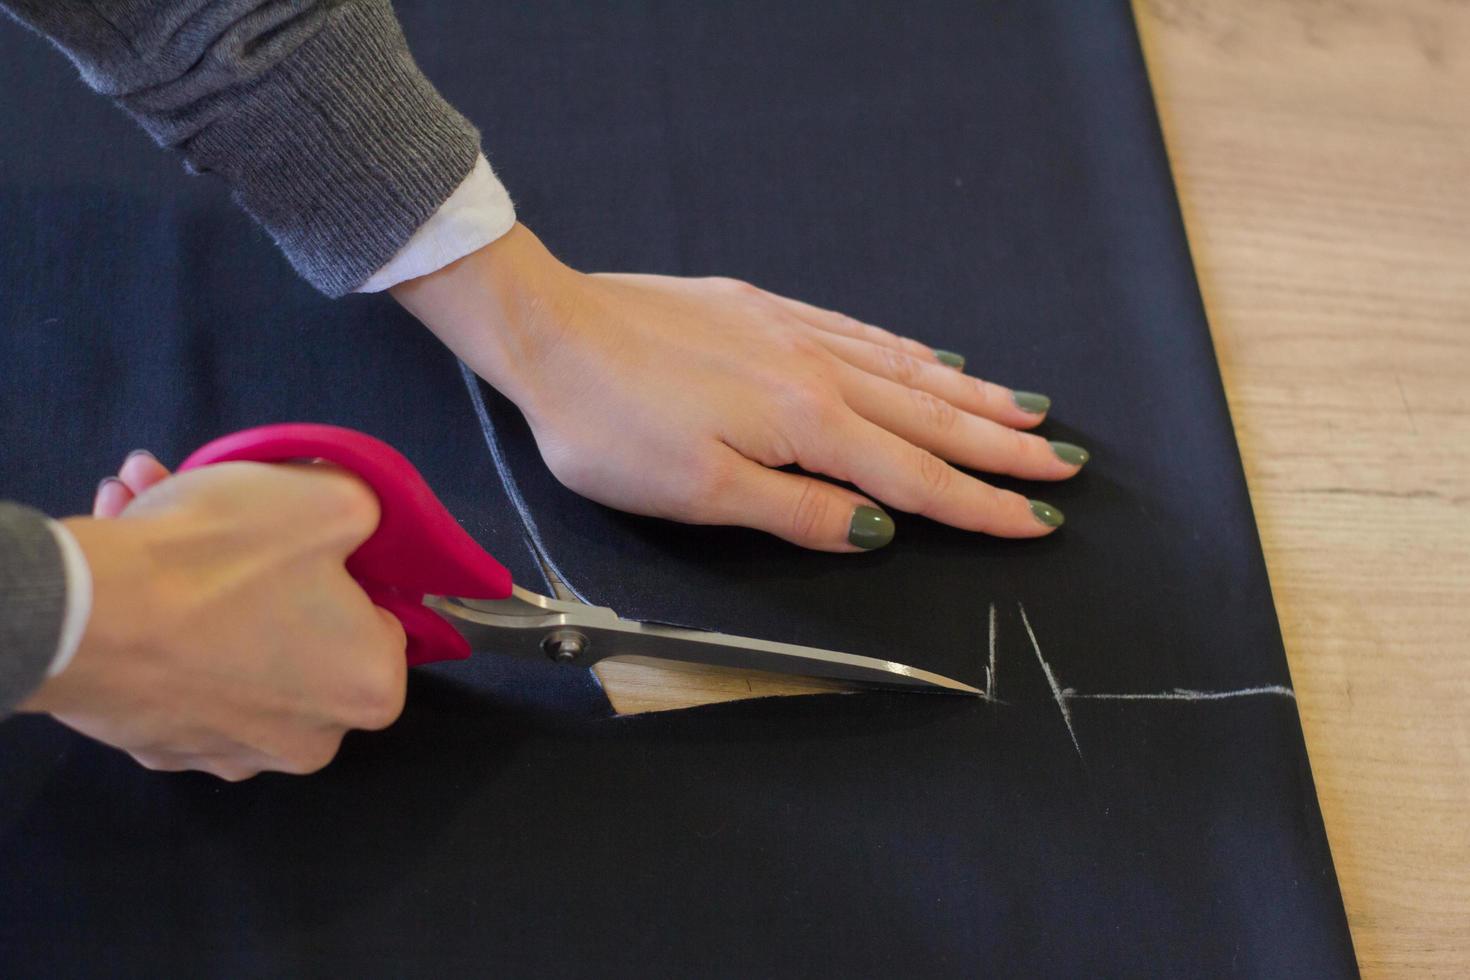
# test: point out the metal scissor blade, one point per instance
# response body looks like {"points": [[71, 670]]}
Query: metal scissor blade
{"points": [[532, 625]]}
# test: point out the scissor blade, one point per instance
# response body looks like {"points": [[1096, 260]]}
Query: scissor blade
{"points": [[531, 625]]}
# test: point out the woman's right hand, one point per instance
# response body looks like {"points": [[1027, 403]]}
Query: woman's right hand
{"points": [[225, 633]]}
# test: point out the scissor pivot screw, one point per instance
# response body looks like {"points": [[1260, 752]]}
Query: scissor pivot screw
{"points": [[564, 646]]}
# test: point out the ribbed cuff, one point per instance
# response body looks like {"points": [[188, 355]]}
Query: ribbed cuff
{"points": [[476, 214], [32, 602], [342, 150]]}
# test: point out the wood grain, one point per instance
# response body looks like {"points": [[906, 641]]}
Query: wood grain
{"points": [[1322, 153]]}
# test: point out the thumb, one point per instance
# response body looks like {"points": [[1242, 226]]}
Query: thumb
{"points": [[807, 512]]}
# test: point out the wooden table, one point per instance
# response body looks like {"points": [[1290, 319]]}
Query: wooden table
{"points": [[1322, 152]]}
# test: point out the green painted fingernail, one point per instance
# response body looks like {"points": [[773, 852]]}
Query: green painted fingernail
{"points": [[1070, 454], [1030, 401], [870, 528], [1047, 514], [949, 357]]}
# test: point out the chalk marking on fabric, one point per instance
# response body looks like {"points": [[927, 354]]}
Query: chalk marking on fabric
{"points": [[990, 670], [512, 489], [558, 588], [1186, 694], [1056, 689]]}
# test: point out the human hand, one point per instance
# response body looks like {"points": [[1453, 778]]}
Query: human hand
{"points": [[678, 398], [226, 634]]}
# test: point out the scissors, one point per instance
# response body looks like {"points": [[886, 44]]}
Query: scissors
{"points": [[453, 598]]}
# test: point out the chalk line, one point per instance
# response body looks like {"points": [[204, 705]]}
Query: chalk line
{"points": [[990, 670], [1185, 694], [1056, 689], [559, 577], [512, 489]]}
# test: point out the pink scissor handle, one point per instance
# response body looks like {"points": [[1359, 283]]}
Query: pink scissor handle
{"points": [[418, 548]]}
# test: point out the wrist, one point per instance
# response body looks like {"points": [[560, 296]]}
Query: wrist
{"points": [[499, 309], [118, 616]]}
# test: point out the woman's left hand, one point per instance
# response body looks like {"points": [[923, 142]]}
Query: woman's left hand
{"points": [[681, 398]]}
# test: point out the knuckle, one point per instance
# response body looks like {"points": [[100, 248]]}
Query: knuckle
{"points": [[372, 685], [805, 345], [378, 715], [312, 758], [923, 353], [318, 759], [881, 337], [826, 415], [936, 475], [861, 330], [736, 287], [1023, 445], [805, 401], [715, 475], [983, 392], [706, 479], [810, 514], [938, 415], [791, 348], [154, 763], [802, 420], [350, 506], [381, 699], [899, 367], [231, 772], [392, 637]]}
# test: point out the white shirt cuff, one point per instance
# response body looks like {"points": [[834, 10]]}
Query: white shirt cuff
{"points": [[476, 214], [78, 597]]}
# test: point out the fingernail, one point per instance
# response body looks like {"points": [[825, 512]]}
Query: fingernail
{"points": [[140, 452], [1030, 401], [1070, 454], [1047, 514], [949, 357], [870, 528], [103, 483]]}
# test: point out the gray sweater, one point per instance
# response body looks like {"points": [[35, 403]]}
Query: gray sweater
{"points": [[32, 601], [313, 112]]}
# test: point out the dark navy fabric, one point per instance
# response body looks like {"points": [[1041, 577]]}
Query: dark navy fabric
{"points": [[992, 180], [988, 176]]}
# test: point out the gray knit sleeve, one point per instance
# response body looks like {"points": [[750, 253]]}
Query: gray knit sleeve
{"points": [[32, 602], [312, 110]]}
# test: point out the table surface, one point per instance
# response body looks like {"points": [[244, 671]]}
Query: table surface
{"points": [[1322, 153]]}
